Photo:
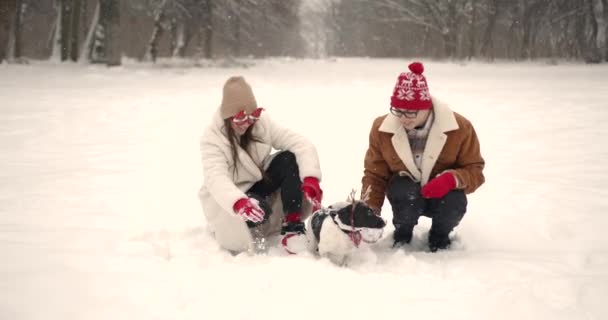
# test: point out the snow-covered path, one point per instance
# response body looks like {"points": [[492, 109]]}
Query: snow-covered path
{"points": [[100, 168]]}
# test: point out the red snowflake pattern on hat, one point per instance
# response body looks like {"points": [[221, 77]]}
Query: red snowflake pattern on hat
{"points": [[411, 90]]}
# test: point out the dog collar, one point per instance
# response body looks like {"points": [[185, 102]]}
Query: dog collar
{"points": [[354, 234]]}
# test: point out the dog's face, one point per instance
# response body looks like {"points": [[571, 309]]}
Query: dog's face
{"points": [[361, 219]]}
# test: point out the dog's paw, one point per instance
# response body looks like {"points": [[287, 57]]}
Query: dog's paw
{"points": [[295, 243]]}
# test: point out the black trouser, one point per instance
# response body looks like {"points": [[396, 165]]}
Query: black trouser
{"points": [[408, 205], [284, 174]]}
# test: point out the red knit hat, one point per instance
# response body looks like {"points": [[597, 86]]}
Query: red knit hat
{"points": [[411, 91]]}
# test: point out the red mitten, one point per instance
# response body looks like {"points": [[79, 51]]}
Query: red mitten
{"points": [[312, 191], [440, 186], [249, 209]]}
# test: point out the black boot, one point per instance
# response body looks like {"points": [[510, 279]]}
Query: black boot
{"points": [[402, 235], [439, 241], [294, 239], [293, 227]]}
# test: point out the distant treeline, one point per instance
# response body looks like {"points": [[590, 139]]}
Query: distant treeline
{"points": [[506, 29], [103, 31]]}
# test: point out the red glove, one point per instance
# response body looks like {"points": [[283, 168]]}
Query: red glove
{"points": [[249, 209], [439, 186], [312, 191]]}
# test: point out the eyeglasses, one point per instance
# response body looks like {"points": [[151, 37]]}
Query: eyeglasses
{"points": [[410, 114], [242, 117]]}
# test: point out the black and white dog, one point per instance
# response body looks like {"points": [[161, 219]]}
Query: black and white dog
{"points": [[335, 232]]}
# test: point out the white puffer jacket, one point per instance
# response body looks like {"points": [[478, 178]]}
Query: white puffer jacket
{"points": [[222, 188]]}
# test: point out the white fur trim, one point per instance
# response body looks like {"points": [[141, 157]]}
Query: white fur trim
{"points": [[444, 121]]}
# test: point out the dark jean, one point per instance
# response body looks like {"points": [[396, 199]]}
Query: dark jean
{"points": [[282, 174], [408, 205]]}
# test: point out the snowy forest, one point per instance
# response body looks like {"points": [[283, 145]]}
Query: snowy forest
{"points": [[105, 31], [104, 105]]}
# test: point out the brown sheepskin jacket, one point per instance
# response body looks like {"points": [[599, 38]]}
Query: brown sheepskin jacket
{"points": [[451, 145]]}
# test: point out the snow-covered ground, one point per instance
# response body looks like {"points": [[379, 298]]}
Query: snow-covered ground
{"points": [[100, 168]]}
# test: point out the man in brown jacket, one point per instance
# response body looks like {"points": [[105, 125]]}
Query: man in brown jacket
{"points": [[424, 158]]}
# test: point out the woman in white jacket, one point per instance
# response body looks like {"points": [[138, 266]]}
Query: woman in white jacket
{"points": [[246, 187]]}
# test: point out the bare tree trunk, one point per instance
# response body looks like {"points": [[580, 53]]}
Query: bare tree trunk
{"points": [[569, 38], [449, 42], [66, 14], [606, 35], [109, 15], [84, 18], [208, 34], [449, 32], [181, 40], [75, 29], [7, 10], [487, 44], [600, 35], [152, 48], [56, 34], [18, 29], [531, 21], [425, 42], [264, 25], [236, 29], [88, 45], [472, 36], [526, 37], [579, 32], [605, 6], [591, 48], [450, 35], [14, 46], [173, 35], [180, 36]]}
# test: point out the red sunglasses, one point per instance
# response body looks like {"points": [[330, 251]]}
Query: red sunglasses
{"points": [[242, 117]]}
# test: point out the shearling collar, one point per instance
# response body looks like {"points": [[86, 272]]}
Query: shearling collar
{"points": [[444, 119]]}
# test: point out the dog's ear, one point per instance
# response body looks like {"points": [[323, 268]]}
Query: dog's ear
{"points": [[363, 210], [344, 214], [367, 218], [363, 216]]}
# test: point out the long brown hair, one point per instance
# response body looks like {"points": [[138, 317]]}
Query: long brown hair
{"points": [[245, 140]]}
